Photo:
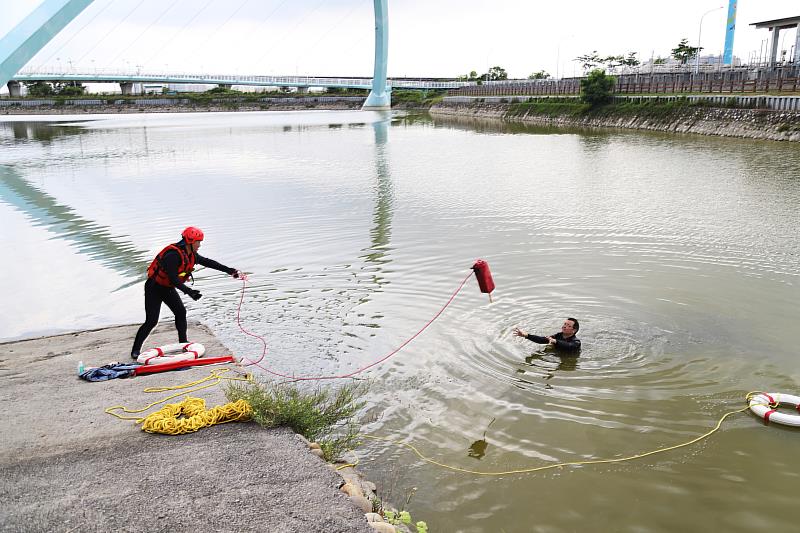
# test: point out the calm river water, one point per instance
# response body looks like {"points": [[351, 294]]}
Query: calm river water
{"points": [[679, 255]]}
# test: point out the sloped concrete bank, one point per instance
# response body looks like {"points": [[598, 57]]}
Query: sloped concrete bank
{"points": [[745, 123], [66, 465]]}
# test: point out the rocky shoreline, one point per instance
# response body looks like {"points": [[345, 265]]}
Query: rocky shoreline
{"points": [[728, 122]]}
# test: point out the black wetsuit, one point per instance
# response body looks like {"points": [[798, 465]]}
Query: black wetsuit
{"points": [[155, 295], [572, 344]]}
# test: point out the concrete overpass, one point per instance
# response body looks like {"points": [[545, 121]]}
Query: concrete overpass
{"points": [[127, 79]]}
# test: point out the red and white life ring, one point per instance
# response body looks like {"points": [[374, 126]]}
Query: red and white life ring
{"points": [[170, 353], [765, 406]]}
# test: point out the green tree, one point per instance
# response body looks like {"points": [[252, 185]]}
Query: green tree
{"points": [[541, 75], [495, 73], [613, 61], [71, 88], [597, 87], [221, 90], [631, 60], [685, 53], [39, 88], [589, 61]]}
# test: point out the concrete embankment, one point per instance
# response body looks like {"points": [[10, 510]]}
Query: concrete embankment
{"points": [[44, 106], [66, 465], [730, 122]]}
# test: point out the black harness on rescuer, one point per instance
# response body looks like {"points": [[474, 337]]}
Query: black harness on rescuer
{"points": [[159, 274]]}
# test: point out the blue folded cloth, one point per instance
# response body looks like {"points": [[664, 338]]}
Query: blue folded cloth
{"points": [[112, 371]]}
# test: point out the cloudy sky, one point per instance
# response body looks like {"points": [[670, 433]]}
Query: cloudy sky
{"points": [[433, 38]]}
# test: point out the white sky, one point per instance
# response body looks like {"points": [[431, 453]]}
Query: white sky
{"points": [[433, 38]]}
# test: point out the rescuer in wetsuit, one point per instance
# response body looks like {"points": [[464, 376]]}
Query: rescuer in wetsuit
{"points": [[563, 341], [171, 268]]}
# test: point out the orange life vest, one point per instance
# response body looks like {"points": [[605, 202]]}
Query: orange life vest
{"points": [[157, 271]]}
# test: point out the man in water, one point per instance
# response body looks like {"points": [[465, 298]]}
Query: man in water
{"points": [[170, 270], [563, 341]]}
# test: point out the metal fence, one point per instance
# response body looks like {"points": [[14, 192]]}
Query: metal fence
{"points": [[720, 82], [699, 84]]}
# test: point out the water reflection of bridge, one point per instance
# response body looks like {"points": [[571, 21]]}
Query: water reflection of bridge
{"points": [[88, 237]]}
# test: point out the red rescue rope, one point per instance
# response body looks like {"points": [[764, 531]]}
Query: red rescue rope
{"points": [[348, 375]]}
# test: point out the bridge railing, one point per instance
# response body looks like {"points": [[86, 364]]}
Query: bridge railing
{"points": [[105, 75]]}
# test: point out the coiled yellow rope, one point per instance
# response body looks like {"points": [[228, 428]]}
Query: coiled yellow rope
{"points": [[195, 415], [570, 463], [168, 421]]}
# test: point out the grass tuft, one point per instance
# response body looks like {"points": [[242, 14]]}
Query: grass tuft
{"points": [[325, 416]]}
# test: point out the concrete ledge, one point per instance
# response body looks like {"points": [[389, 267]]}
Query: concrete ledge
{"points": [[65, 465]]}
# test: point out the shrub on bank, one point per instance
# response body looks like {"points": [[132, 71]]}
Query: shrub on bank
{"points": [[597, 88], [325, 416]]}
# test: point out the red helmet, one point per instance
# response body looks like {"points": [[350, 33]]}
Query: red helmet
{"points": [[192, 234]]}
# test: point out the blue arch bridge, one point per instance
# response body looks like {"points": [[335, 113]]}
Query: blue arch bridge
{"points": [[51, 16]]}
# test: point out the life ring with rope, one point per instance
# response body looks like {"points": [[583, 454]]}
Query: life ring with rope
{"points": [[765, 405], [182, 351]]}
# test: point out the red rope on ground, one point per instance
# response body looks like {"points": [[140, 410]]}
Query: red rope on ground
{"points": [[351, 374]]}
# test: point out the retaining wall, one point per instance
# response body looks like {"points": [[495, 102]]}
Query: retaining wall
{"points": [[774, 123]]}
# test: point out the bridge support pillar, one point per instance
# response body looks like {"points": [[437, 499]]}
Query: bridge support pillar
{"points": [[226, 86], [302, 90], [380, 95], [126, 87], [14, 89]]}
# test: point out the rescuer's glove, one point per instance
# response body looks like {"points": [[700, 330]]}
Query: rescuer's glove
{"points": [[194, 294]]}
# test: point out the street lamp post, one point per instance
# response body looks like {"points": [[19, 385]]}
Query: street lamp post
{"points": [[699, 33]]}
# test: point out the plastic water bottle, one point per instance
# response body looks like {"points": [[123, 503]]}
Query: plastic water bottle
{"points": [[81, 368]]}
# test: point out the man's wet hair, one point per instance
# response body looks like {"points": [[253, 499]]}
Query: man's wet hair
{"points": [[575, 322]]}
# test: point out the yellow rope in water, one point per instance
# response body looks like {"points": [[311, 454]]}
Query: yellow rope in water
{"points": [[561, 465], [166, 420], [214, 378]]}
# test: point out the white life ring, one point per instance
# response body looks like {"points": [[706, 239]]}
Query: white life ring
{"points": [[761, 404], [181, 351]]}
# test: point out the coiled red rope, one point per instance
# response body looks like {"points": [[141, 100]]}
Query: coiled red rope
{"points": [[257, 363]]}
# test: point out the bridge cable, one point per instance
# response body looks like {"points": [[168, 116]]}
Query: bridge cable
{"points": [[216, 31], [75, 34], [333, 27], [97, 43], [289, 31], [169, 41], [158, 19], [256, 31], [361, 41]]}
